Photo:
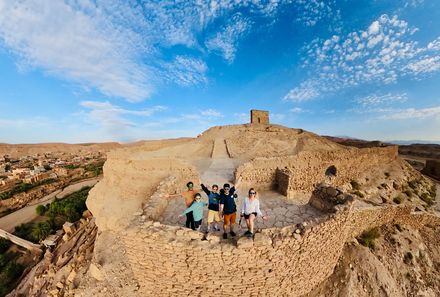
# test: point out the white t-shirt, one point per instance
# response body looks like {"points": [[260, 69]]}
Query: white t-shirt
{"points": [[249, 206]]}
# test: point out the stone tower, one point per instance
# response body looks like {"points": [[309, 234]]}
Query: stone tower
{"points": [[259, 117]]}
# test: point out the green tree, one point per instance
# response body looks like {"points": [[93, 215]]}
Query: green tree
{"points": [[4, 245], [41, 209], [41, 230], [12, 270]]}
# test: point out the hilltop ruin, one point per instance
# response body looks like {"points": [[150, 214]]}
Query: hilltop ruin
{"points": [[318, 194]]}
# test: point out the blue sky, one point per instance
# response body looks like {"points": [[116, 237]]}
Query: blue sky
{"points": [[87, 71]]}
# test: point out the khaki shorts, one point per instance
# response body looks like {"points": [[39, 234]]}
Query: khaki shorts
{"points": [[213, 216], [229, 219]]}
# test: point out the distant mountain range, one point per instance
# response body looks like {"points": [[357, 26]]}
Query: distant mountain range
{"points": [[398, 142]]}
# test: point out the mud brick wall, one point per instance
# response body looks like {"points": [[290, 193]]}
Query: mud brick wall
{"points": [[277, 262], [432, 168], [307, 169], [259, 117]]}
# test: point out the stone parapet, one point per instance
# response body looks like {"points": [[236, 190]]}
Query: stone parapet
{"points": [[288, 261], [307, 169]]}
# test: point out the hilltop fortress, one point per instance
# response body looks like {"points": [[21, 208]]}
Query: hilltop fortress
{"points": [[320, 195]]}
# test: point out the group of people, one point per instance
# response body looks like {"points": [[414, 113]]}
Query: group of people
{"points": [[221, 207]]}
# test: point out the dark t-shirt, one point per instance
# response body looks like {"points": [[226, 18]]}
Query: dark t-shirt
{"points": [[228, 201]]}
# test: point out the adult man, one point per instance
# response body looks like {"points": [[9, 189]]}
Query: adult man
{"points": [[213, 206], [188, 197], [228, 209]]}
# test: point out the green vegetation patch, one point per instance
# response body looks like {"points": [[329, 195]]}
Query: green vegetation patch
{"points": [[58, 212], [10, 272], [398, 199], [426, 197], [96, 168], [367, 238], [355, 185], [412, 184], [24, 187]]}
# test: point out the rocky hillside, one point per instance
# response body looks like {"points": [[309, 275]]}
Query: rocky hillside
{"points": [[392, 261]]}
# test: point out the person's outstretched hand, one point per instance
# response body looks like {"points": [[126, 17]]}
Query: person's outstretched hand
{"points": [[265, 218]]}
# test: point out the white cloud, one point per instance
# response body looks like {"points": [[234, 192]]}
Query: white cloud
{"points": [[374, 28], [425, 65], [305, 91], [186, 71], [383, 54], [297, 110], [75, 45], [225, 41], [211, 113], [114, 118], [412, 113], [310, 12], [375, 99]]}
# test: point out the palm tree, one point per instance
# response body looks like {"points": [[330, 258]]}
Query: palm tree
{"points": [[41, 231]]}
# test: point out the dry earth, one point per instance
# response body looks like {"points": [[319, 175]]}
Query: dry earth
{"points": [[133, 175]]}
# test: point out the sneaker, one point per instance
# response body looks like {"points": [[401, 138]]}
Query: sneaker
{"points": [[232, 233], [216, 228], [225, 235], [248, 232]]}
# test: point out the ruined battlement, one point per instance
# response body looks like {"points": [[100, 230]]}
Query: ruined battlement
{"points": [[288, 259], [279, 261], [299, 174]]}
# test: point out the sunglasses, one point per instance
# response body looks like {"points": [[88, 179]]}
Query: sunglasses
{"points": [[252, 193]]}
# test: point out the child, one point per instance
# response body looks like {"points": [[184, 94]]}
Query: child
{"points": [[197, 210], [213, 206]]}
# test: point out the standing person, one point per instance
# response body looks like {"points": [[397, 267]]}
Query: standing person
{"points": [[196, 209], [250, 209], [228, 209], [213, 206], [188, 197]]}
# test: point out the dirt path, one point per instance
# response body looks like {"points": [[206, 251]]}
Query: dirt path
{"points": [[27, 214]]}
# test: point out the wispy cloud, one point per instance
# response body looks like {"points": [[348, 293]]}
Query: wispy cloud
{"points": [[381, 54], [297, 110], [186, 71], [113, 118], [77, 46], [380, 100], [117, 47], [310, 12], [225, 41], [211, 113], [411, 113]]}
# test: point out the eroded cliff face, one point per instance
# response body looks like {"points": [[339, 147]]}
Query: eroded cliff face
{"points": [[127, 183]]}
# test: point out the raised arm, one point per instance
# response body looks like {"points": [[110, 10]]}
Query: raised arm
{"points": [[205, 189], [189, 209], [174, 195]]}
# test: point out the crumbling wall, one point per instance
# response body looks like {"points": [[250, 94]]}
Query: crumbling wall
{"points": [[432, 168], [259, 117], [128, 183], [278, 262], [307, 169]]}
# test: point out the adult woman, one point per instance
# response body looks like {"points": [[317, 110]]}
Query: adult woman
{"points": [[250, 209]]}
